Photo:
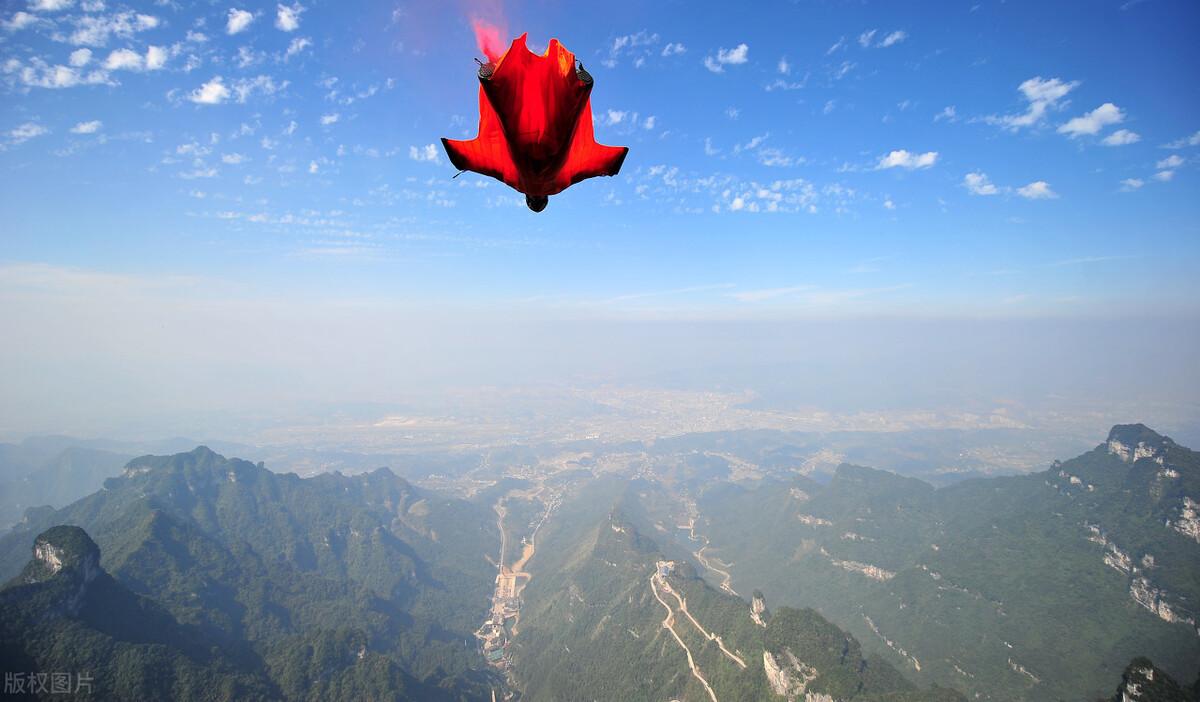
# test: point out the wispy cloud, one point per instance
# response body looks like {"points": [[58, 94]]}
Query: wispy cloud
{"points": [[427, 153], [769, 293], [1182, 142], [901, 158], [948, 114], [813, 296], [1082, 260], [1037, 190], [727, 57], [1042, 96], [668, 293], [90, 127], [1121, 137]]}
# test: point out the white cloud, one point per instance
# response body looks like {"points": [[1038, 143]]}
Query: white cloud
{"points": [[1173, 161], [87, 127], [39, 74], [727, 57], [637, 45], [96, 30], [19, 21], [265, 85], [247, 57], [888, 204], [892, 39], [1130, 184], [1164, 176], [649, 122], [1042, 96], [1193, 140], [1121, 137], [751, 145], [1092, 122], [1037, 190], [287, 18], [612, 117], [330, 118], [773, 157], [123, 60], [233, 159], [901, 158], [213, 92], [156, 58], [50, 5], [80, 57], [312, 167], [238, 21], [25, 132], [783, 66], [840, 43], [781, 84], [298, 44], [673, 49], [427, 153], [864, 39], [948, 113], [128, 60], [977, 183]]}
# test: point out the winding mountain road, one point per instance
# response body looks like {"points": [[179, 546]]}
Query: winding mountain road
{"points": [[668, 624]]}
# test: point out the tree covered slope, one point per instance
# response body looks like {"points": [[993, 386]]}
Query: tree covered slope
{"points": [[1040, 586]]}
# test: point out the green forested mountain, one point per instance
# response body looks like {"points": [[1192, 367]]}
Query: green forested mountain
{"points": [[1040, 586], [329, 588], [64, 614], [214, 578], [1143, 681], [592, 620]]}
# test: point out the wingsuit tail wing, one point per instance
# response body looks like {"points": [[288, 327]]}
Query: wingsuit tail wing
{"points": [[487, 153], [586, 158]]}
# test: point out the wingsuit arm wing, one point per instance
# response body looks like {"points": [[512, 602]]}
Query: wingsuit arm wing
{"points": [[487, 153]]}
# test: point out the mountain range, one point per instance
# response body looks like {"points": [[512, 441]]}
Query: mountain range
{"points": [[202, 577]]}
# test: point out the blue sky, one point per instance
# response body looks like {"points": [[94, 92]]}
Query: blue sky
{"points": [[828, 158]]}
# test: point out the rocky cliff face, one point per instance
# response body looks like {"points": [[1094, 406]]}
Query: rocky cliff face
{"points": [[788, 676], [758, 609], [65, 554], [1133, 442], [1143, 682]]}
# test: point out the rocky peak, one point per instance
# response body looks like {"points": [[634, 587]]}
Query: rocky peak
{"points": [[1143, 682], [1132, 442], [758, 609], [66, 557], [63, 548]]}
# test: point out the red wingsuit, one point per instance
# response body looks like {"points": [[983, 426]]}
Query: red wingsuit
{"points": [[535, 125]]}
